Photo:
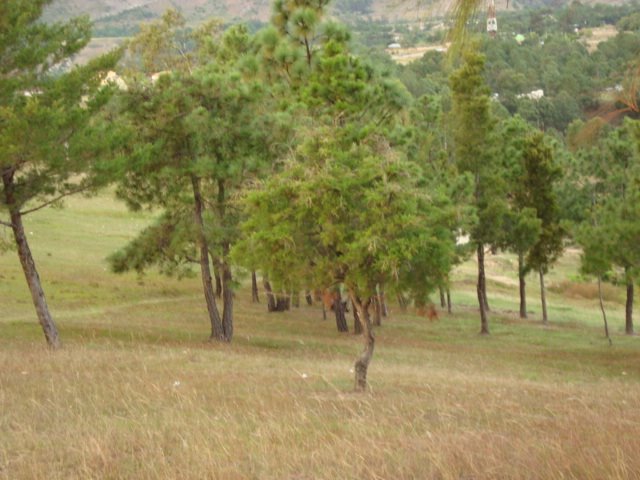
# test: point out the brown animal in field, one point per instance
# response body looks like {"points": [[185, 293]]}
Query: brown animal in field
{"points": [[428, 311], [330, 298]]}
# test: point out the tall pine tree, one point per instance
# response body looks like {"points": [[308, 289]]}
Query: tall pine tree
{"points": [[472, 128]]}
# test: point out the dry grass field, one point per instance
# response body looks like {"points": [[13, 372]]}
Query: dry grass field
{"points": [[137, 392], [594, 36], [404, 56]]}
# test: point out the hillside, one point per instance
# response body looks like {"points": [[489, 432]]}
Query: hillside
{"points": [[127, 11], [137, 392], [104, 10]]}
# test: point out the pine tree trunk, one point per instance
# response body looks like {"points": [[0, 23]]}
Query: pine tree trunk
{"points": [[604, 313], [523, 286], [216, 275], [442, 299], [255, 298], [449, 310], [28, 265], [362, 364], [339, 311], [377, 311], [357, 321], [484, 321], [402, 302], [383, 303], [217, 332], [628, 316], [283, 302], [227, 295], [271, 299], [543, 299], [484, 295]]}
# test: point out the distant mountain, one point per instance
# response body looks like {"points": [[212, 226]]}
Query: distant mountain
{"points": [[114, 16]]}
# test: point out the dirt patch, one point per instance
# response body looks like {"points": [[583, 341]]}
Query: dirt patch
{"points": [[408, 55], [594, 36]]}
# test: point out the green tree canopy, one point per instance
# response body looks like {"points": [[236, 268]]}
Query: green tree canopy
{"points": [[195, 135]]}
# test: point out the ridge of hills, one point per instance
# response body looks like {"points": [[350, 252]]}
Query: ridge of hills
{"points": [[135, 11]]}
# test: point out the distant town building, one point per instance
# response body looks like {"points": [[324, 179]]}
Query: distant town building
{"points": [[492, 21], [533, 95]]}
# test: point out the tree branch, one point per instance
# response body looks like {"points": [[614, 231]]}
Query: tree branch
{"points": [[6, 224], [53, 200], [190, 259]]}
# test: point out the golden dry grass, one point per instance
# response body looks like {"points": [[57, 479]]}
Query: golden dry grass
{"points": [[594, 36], [137, 392], [196, 411]]}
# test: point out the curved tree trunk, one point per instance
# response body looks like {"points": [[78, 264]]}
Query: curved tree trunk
{"points": [[362, 364], [28, 265], [481, 291], [523, 286], [628, 311], [543, 299], [254, 288], [217, 332], [604, 313]]}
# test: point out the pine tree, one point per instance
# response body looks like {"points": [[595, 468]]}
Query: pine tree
{"points": [[48, 139], [541, 173], [522, 226], [346, 207], [609, 233], [472, 130], [195, 136]]}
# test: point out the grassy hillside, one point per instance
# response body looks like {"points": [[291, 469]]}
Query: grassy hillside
{"points": [[137, 392]]}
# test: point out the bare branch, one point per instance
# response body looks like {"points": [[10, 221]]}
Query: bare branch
{"points": [[6, 224], [54, 200]]}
